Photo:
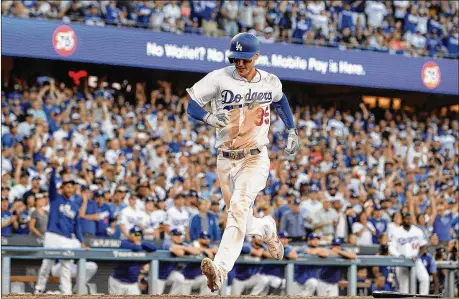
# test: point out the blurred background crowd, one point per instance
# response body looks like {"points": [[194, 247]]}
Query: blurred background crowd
{"points": [[414, 28]]}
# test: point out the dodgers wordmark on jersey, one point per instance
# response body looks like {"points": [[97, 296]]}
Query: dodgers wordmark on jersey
{"points": [[248, 104], [407, 242]]}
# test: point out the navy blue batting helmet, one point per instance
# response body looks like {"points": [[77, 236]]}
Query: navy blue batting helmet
{"points": [[243, 46]]}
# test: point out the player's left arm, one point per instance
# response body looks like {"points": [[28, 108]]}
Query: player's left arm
{"points": [[285, 113]]}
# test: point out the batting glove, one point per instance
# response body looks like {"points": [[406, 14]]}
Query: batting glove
{"points": [[219, 120], [292, 142]]}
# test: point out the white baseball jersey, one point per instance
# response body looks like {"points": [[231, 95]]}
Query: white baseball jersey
{"points": [[406, 243], [248, 104], [152, 221], [130, 217], [177, 219]]}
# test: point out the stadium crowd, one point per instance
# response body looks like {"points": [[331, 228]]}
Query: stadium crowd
{"points": [[415, 28], [147, 163]]}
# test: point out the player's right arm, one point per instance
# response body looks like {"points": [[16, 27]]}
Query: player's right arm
{"points": [[202, 93], [52, 192]]}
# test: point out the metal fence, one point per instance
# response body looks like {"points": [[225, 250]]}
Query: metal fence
{"points": [[82, 255]]}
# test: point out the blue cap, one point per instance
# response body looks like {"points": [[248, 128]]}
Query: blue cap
{"points": [[296, 201], [282, 235], [68, 182], [337, 241], [204, 235], [354, 195], [176, 232], [314, 236], [135, 230], [378, 208], [99, 193], [243, 46]]}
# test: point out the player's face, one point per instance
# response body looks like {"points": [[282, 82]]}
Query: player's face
{"points": [[245, 67], [284, 241], [315, 242], [137, 238], [176, 239], [99, 200], [68, 190], [407, 221]]}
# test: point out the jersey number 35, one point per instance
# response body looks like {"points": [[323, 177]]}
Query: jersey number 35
{"points": [[262, 116]]}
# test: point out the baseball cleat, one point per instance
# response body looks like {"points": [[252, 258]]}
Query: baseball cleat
{"points": [[275, 247], [214, 274]]}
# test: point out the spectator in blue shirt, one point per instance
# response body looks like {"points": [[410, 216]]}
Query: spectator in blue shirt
{"points": [[21, 225], [433, 43], [379, 223], [433, 25], [205, 221], [105, 217], [94, 17], [88, 213], [7, 219], [442, 223], [345, 18], [302, 26], [451, 42], [144, 12], [10, 138], [273, 14], [411, 20], [193, 28], [112, 15]]}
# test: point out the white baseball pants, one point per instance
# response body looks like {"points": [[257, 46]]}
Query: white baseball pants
{"points": [[116, 287], [175, 279], [91, 269], [325, 289], [309, 288], [240, 181], [200, 283], [274, 282], [257, 282], [53, 240], [403, 278]]}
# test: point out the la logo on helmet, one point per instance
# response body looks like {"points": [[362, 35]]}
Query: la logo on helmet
{"points": [[238, 47]]}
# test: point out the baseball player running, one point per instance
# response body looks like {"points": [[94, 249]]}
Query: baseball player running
{"points": [[406, 241], [63, 221], [124, 280], [241, 96]]}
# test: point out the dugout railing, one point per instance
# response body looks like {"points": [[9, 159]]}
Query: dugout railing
{"points": [[82, 255]]}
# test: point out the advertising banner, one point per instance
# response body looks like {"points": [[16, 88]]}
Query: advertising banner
{"points": [[158, 50]]}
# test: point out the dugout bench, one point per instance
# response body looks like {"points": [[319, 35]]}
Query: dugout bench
{"points": [[81, 255]]}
